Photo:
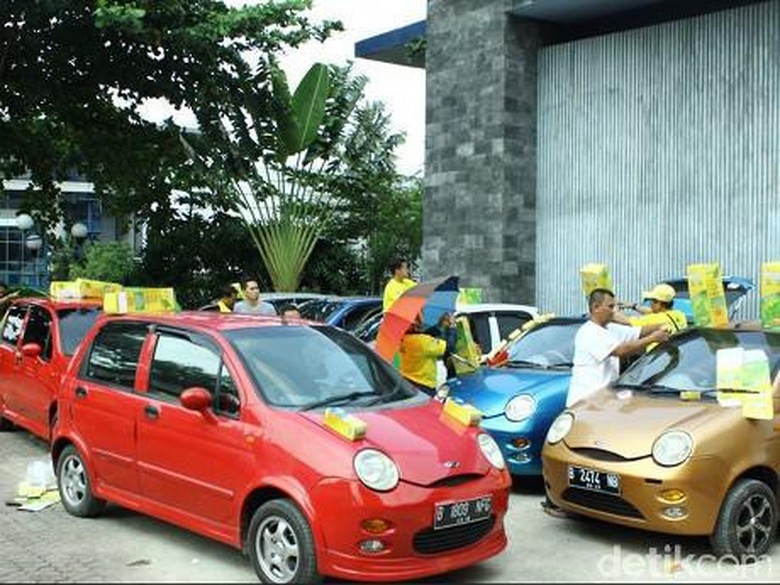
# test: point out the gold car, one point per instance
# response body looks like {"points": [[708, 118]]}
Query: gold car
{"points": [[662, 450]]}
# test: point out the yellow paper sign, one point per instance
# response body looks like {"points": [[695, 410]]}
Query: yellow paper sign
{"points": [[770, 294], [595, 276], [463, 413], [348, 426], [708, 299]]}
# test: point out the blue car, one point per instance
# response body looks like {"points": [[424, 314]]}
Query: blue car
{"points": [[344, 312], [520, 399]]}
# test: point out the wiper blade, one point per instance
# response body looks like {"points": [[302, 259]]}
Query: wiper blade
{"points": [[729, 391], [561, 365], [386, 397], [339, 398], [627, 385], [526, 364]]}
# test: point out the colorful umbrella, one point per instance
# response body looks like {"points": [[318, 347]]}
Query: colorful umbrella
{"points": [[431, 299]]}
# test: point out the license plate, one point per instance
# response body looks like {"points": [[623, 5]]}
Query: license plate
{"points": [[592, 479], [463, 512]]}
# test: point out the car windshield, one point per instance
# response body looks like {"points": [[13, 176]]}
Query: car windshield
{"points": [[312, 367], [688, 361], [320, 309], [74, 324], [546, 345]]}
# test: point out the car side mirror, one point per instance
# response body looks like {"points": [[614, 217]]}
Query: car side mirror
{"points": [[198, 399], [31, 350]]}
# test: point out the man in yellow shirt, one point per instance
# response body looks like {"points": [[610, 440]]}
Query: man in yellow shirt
{"points": [[421, 350], [398, 284]]}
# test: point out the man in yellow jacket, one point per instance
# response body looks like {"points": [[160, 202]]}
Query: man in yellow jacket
{"points": [[421, 350], [398, 283]]}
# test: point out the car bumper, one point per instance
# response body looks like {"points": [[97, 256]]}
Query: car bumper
{"points": [[645, 494], [520, 443], [412, 548]]}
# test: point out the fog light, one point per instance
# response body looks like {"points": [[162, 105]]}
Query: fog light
{"points": [[675, 512], [372, 546], [375, 525], [672, 496], [522, 458], [521, 443]]}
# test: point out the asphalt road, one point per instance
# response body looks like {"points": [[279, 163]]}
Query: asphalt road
{"points": [[51, 546]]}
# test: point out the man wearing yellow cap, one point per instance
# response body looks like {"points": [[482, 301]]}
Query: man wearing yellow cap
{"points": [[661, 299]]}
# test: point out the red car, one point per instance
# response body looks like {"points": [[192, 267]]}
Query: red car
{"points": [[38, 338], [217, 423]]}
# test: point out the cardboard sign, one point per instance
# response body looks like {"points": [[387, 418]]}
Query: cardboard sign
{"points": [[770, 294], [469, 296], [595, 276], [708, 299], [81, 288], [467, 354], [140, 300], [743, 380]]}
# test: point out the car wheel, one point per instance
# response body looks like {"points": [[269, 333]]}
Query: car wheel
{"points": [[6, 425], [75, 490], [747, 522], [281, 546]]}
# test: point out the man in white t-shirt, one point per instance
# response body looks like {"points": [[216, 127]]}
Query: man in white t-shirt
{"points": [[600, 343]]}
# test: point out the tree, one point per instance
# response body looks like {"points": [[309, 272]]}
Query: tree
{"points": [[72, 75], [108, 261]]}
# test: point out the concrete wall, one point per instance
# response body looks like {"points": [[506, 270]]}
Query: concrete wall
{"points": [[659, 147], [479, 219]]}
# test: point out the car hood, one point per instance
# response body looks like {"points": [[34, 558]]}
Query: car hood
{"points": [[427, 445], [489, 389], [628, 424]]}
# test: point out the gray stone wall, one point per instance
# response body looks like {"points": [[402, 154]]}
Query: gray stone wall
{"points": [[480, 157]]}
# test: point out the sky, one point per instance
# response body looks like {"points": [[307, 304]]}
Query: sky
{"points": [[401, 88]]}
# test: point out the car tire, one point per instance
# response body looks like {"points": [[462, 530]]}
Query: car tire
{"points": [[6, 425], [747, 522], [74, 485], [281, 545]]}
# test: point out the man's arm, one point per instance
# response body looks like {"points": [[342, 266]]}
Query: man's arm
{"points": [[625, 348]]}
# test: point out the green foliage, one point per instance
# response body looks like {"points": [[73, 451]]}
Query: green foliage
{"points": [[109, 261], [73, 73]]}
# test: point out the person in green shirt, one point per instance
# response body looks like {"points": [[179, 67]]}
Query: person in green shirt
{"points": [[398, 283]]}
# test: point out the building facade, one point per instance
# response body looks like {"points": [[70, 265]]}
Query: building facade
{"points": [[642, 134]]}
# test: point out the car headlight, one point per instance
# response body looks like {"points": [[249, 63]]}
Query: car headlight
{"points": [[560, 427], [376, 470], [520, 408], [490, 450], [672, 448]]}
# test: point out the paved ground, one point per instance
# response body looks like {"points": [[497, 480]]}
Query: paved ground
{"points": [[51, 546]]}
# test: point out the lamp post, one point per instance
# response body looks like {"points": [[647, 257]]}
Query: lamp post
{"points": [[34, 242], [24, 222], [79, 233]]}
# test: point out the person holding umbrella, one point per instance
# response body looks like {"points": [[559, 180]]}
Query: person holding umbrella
{"points": [[421, 350]]}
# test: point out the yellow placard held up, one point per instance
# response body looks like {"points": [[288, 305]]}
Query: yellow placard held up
{"points": [[467, 353], [708, 299], [770, 294], [469, 296], [595, 276]]}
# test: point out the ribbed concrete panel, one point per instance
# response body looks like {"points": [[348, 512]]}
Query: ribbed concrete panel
{"points": [[660, 147]]}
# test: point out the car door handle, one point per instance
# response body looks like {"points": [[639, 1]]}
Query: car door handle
{"points": [[81, 392], [152, 411]]}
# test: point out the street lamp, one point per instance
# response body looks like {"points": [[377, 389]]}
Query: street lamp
{"points": [[34, 242], [79, 233], [24, 222]]}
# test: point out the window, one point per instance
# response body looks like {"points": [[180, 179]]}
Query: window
{"points": [[38, 330], [480, 331], [358, 314], [114, 355], [74, 324], [508, 322], [179, 364], [12, 324]]}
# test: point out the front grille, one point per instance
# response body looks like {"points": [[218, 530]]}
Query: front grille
{"points": [[430, 541], [599, 454], [602, 502], [454, 480]]}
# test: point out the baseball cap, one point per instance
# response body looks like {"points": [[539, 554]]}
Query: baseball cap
{"points": [[660, 292]]}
